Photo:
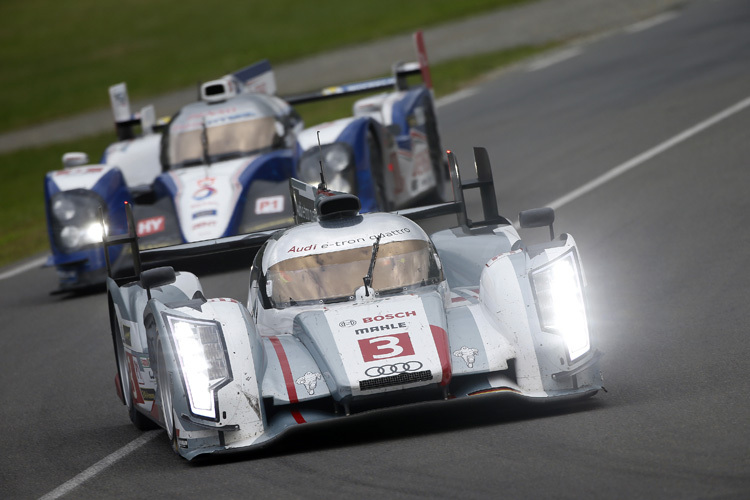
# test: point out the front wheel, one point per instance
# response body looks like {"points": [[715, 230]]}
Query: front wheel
{"points": [[140, 421], [164, 386]]}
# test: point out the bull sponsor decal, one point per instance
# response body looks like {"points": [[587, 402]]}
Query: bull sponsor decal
{"points": [[310, 381], [468, 354], [149, 226]]}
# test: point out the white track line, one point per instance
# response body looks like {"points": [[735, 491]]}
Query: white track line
{"points": [[456, 96], [647, 155], [24, 267], [547, 61], [650, 23], [101, 465], [586, 188]]}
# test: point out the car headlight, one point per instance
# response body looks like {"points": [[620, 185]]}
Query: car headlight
{"points": [[202, 357], [75, 219], [338, 167], [558, 287]]}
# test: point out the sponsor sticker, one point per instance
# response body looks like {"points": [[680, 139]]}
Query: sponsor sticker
{"points": [[310, 381], [204, 213], [386, 346], [205, 189], [269, 205], [79, 171], [200, 225], [152, 225]]}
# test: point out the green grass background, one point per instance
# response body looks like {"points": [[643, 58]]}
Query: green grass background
{"points": [[108, 46], [58, 57]]}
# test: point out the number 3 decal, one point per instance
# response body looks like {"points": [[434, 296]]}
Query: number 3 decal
{"points": [[387, 346]]}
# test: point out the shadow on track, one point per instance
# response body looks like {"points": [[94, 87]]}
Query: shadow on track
{"points": [[394, 424]]}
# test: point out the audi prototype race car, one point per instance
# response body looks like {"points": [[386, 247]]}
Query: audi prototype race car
{"points": [[221, 166], [351, 312]]}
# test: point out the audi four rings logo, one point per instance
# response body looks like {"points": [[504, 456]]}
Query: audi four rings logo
{"points": [[347, 322], [379, 371]]}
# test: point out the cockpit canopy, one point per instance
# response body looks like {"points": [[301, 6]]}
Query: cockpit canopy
{"points": [[313, 264], [211, 132]]}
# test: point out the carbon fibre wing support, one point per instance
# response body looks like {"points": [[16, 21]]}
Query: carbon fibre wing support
{"points": [[483, 181], [122, 239], [397, 81], [163, 255]]}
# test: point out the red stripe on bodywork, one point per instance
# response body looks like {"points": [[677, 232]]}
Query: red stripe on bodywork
{"points": [[298, 417], [286, 370], [118, 387], [497, 389], [440, 337], [155, 411], [134, 389]]}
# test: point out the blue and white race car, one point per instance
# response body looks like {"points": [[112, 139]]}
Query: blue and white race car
{"points": [[220, 166], [348, 313]]}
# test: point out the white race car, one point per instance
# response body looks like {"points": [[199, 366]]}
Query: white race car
{"points": [[221, 166], [351, 312]]}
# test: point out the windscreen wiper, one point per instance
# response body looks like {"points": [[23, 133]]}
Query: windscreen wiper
{"points": [[368, 277]]}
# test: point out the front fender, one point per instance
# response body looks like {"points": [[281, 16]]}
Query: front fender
{"points": [[240, 416]]}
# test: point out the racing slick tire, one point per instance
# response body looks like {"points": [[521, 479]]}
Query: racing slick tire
{"points": [[164, 388], [140, 421]]}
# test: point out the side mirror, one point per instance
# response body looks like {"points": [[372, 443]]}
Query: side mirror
{"points": [[75, 159], [538, 217], [159, 276]]}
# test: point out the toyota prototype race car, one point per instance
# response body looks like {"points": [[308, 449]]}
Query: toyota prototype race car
{"points": [[221, 166], [351, 312]]}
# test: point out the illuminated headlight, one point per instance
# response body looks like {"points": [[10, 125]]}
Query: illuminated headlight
{"points": [[74, 237], [75, 219], [203, 362], [63, 209], [338, 166], [562, 310]]}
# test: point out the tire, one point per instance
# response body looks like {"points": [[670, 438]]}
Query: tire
{"points": [[164, 389], [139, 420]]}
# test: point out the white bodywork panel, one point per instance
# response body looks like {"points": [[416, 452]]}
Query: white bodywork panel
{"points": [[206, 197]]}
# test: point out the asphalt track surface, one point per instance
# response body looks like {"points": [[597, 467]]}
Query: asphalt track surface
{"points": [[665, 245]]}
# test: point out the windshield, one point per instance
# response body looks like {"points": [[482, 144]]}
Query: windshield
{"points": [[334, 276], [223, 142]]}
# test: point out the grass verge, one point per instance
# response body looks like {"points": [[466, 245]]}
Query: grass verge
{"points": [[23, 225], [57, 57]]}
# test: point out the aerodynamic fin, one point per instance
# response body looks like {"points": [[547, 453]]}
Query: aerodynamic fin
{"points": [[397, 80]]}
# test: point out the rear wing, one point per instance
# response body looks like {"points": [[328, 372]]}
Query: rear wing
{"points": [[125, 121], [313, 203], [397, 81], [483, 182]]}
